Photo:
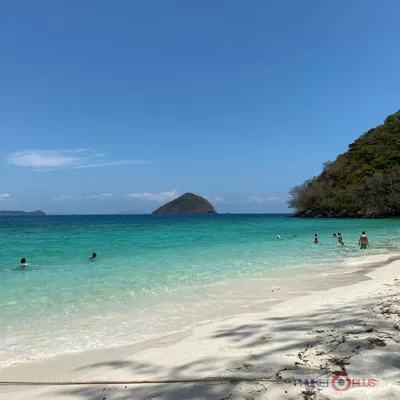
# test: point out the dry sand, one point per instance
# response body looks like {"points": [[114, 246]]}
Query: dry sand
{"points": [[353, 330]]}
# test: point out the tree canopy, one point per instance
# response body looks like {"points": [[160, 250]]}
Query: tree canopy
{"points": [[363, 182]]}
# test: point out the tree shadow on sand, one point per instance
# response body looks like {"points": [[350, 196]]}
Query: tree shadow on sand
{"points": [[324, 343]]}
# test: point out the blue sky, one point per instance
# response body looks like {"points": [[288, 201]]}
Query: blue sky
{"points": [[119, 106]]}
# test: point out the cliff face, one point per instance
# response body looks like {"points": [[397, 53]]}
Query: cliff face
{"points": [[188, 203], [363, 182]]}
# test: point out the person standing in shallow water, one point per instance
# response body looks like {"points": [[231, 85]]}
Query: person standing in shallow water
{"points": [[363, 241], [340, 239], [316, 239]]}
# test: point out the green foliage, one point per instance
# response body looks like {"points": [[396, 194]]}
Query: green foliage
{"points": [[363, 182], [188, 203]]}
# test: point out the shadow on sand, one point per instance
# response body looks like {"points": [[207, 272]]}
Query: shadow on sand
{"points": [[329, 338]]}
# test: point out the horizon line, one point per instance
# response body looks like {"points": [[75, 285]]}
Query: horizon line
{"points": [[150, 213]]}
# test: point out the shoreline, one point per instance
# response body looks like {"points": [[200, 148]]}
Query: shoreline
{"points": [[231, 298], [177, 275], [249, 294], [236, 345]]}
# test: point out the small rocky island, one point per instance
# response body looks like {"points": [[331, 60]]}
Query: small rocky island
{"points": [[188, 203], [36, 213]]}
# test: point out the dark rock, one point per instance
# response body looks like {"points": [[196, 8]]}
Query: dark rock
{"points": [[188, 203]]}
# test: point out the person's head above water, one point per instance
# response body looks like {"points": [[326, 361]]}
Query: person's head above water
{"points": [[23, 260], [94, 255], [363, 233]]}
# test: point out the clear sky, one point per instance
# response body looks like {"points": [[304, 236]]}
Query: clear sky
{"points": [[111, 106]]}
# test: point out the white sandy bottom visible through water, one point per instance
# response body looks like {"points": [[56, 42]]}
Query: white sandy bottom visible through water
{"points": [[174, 312], [158, 276], [177, 312], [180, 311], [352, 328]]}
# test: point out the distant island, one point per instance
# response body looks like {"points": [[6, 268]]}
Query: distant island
{"points": [[188, 203], [364, 182], [37, 213]]}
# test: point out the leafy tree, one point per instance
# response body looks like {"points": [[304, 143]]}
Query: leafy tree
{"points": [[363, 182]]}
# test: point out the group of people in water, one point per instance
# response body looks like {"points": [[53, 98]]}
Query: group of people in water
{"points": [[25, 264], [362, 241], [339, 237]]}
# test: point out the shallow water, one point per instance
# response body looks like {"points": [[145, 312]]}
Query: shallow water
{"points": [[154, 273]]}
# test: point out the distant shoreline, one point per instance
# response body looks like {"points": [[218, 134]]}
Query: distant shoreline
{"points": [[12, 213], [164, 215], [300, 217]]}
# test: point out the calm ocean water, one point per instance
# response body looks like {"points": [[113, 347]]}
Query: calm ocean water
{"points": [[152, 271]]}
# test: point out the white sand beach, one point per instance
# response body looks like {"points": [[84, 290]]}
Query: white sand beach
{"points": [[353, 329]]}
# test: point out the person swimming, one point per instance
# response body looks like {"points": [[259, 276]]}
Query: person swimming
{"points": [[23, 261], [334, 235], [94, 257], [363, 241], [316, 239], [279, 237]]}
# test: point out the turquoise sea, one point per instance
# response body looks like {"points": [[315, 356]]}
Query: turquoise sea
{"points": [[155, 274]]}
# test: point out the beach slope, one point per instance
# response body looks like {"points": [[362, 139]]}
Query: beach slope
{"points": [[351, 330]]}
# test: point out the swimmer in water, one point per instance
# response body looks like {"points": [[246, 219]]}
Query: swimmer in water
{"points": [[23, 262], [316, 239], [334, 235], [363, 241], [279, 237], [94, 257]]}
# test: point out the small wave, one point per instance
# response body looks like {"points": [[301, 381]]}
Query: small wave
{"points": [[371, 259]]}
